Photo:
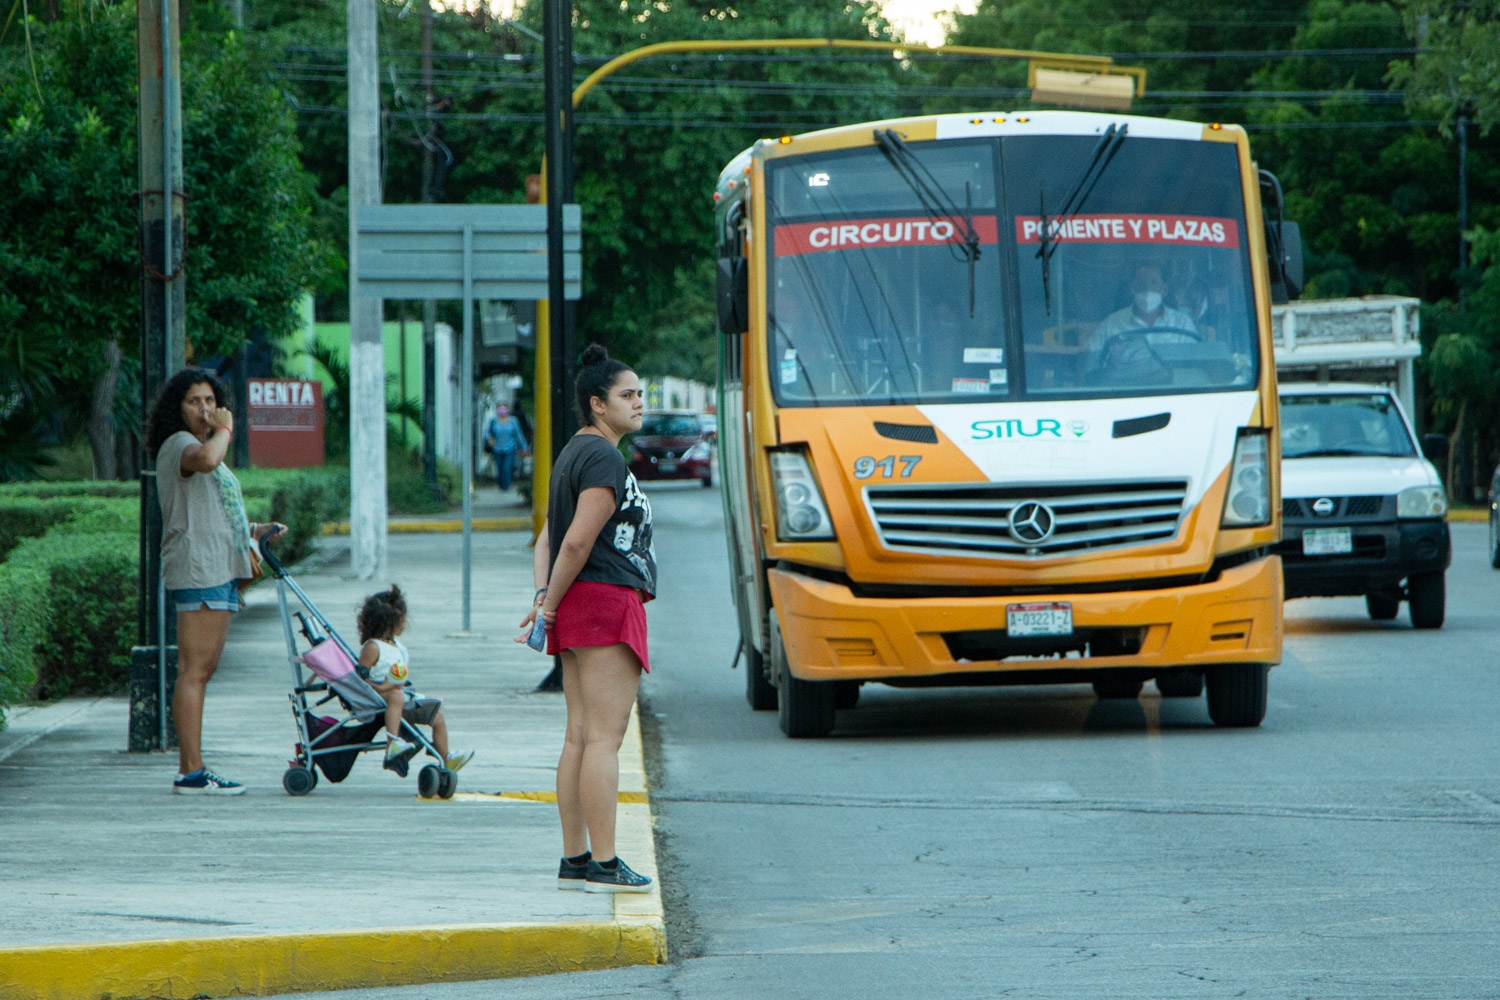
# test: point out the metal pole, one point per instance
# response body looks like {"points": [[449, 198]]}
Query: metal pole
{"points": [[431, 193], [556, 73], [1463, 202], [367, 468], [466, 406], [163, 346]]}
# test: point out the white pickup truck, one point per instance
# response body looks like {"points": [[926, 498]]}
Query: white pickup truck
{"points": [[1363, 510]]}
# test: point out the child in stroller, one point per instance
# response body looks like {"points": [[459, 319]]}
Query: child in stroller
{"points": [[382, 619]]}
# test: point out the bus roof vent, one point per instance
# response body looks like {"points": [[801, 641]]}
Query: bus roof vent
{"points": [[921, 433]]}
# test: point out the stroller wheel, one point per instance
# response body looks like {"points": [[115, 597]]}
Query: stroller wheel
{"points": [[429, 781], [447, 783], [299, 780]]}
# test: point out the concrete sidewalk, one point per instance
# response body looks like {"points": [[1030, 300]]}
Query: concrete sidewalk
{"points": [[115, 887]]}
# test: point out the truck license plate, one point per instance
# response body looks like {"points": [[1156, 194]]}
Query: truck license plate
{"points": [[1327, 541], [1053, 618], [666, 466]]}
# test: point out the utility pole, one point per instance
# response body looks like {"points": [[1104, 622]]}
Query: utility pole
{"points": [[367, 478], [153, 663], [431, 194], [1463, 200], [557, 47]]}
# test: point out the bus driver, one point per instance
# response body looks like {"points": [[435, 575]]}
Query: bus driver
{"points": [[1148, 310]]}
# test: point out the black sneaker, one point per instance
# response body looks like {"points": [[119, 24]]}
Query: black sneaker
{"points": [[617, 879], [571, 876]]}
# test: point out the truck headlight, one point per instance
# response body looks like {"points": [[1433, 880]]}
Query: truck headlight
{"points": [[1422, 501], [1248, 504], [801, 515]]}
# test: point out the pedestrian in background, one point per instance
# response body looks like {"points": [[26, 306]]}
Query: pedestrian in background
{"points": [[594, 568], [205, 551], [505, 440]]}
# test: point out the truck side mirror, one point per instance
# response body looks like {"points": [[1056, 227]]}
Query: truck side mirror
{"points": [[733, 295], [1435, 447]]}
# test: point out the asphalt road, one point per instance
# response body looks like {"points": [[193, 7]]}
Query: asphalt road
{"points": [[1036, 842]]}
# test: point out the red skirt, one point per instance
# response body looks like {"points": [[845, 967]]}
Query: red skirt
{"points": [[600, 614]]}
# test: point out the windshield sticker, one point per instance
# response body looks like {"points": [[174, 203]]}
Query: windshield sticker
{"points": [[1190, 230], [788, 370], [999, 376], [864, 234], [970, 385], [984, 355]]}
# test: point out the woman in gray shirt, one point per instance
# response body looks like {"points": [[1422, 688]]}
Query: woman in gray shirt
{"points": [[205, 551]]}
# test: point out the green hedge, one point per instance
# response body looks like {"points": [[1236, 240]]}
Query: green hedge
{"points": [[72, 488], [68, 586]]}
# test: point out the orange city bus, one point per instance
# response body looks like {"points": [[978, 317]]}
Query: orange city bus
{"points": [[998, 406]]}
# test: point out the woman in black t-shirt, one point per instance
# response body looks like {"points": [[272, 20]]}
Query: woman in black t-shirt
{"points": [[591, 587]]}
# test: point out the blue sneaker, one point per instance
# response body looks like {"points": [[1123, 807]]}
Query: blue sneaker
{"points": [[205, 782]]}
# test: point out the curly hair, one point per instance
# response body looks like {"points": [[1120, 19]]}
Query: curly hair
{"points": [[166, 412], [382, 614]]}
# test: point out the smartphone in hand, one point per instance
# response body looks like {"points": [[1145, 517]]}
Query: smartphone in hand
{"points": [[537, 640]]}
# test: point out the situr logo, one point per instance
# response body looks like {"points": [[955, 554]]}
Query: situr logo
{"points": [[1042, 427]]}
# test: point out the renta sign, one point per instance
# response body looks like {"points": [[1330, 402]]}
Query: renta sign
{"points": [[285, 417]]}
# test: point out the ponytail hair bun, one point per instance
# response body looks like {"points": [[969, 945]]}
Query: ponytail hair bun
{"points": [[596, 376]]}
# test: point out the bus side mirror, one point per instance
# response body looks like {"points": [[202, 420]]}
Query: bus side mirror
{"points": [[1291, 259], [733, 295], [1435, 447]]}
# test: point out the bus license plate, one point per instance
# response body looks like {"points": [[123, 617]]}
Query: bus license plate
{"points": [[1054, 618], [666, 466], [1327, 541]]}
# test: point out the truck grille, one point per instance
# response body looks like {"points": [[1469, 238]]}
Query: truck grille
{"points": [[1343, 507], [977, 520]]}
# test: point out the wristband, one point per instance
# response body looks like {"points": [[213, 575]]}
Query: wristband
{"points": [[227, 432], [539, 593]]}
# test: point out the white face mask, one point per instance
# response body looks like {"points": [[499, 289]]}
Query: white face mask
{"points": [[1147, 302]]}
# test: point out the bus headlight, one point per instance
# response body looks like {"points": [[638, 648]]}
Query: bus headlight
{"points": [[801, 515], [1422, 501], [1249, 502]]}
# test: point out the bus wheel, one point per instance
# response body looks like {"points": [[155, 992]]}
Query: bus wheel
{"points": [[845, 694], [1118, 687], [1237, 694], [758, 690], [806, 707], [1180, 683]]}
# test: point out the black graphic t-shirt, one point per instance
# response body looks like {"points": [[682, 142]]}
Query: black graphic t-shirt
{"points": [[622, 554]]}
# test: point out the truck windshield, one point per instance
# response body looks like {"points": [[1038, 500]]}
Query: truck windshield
{"points": [[1147, 285], [870, 290], [875, 294], [1343, 424]]}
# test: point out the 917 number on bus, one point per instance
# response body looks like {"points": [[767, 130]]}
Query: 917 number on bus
{"points": [[865, 467]]}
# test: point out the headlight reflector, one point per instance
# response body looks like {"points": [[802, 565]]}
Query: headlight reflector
{"points": [[1248, 504], [1422, 501], [801, 515]]}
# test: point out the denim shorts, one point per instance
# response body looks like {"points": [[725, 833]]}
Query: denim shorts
{"points": [[224, 597]]}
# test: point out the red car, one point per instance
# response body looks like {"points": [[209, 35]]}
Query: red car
{"points": [[673, 444]]}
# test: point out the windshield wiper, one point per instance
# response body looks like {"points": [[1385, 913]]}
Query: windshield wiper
{"points": [[1346, 453], [1104, 151], [935, 200]]}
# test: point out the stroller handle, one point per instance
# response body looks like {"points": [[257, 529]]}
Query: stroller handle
{"points": [[270, 557]]}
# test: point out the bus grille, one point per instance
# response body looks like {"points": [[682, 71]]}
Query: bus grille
{"points": [[977, 520]]}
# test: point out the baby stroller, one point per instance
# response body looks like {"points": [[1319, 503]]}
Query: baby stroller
{"points": [[331, 744]]}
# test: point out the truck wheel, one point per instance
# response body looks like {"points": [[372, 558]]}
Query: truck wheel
{"points": [[1119, 687], [1382, 607], [1426, 594], [758, 690], [1237, 694], [806, 707], [1180, 684], [1494, 540]]}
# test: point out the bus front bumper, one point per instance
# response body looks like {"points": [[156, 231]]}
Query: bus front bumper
{"points": [[831, 634]]}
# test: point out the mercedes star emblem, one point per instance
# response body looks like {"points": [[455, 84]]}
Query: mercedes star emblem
{"points": [[1031, 523]]}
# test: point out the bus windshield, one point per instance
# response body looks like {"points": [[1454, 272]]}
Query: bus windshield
{"points": [[1146, 288], [914, 279], [870, 292]]}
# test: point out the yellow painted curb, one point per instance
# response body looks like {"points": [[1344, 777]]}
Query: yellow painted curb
{"points": [[263, 965], [439, 527], [1469, 515]]}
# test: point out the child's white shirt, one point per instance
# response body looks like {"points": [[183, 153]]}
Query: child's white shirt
{"points": [[392, 666]]}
